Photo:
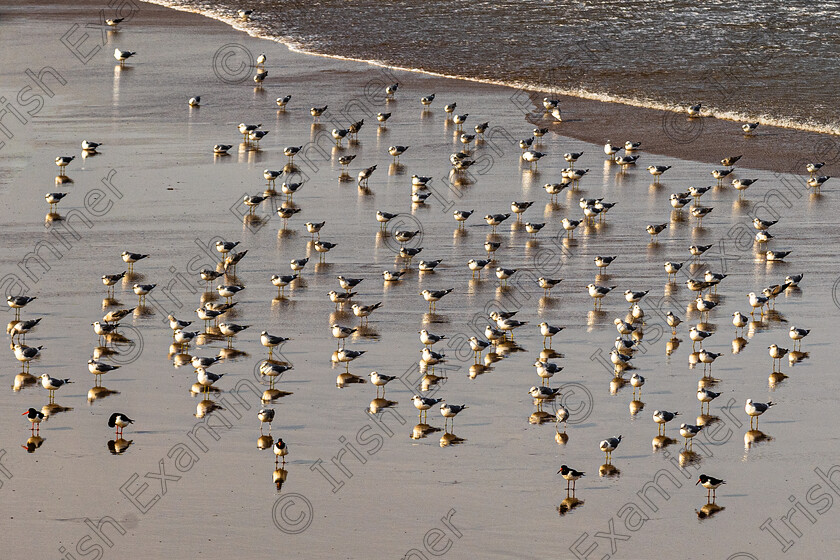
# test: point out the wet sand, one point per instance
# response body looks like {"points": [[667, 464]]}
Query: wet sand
{"points": [[495, 495]]}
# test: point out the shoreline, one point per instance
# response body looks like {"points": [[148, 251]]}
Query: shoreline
{"points": [[662, 132]]}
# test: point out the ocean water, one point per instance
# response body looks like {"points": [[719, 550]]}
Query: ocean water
{"points": [[744, 61]]}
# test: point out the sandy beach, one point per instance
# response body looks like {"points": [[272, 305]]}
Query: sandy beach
{"points": [[194, 482]]}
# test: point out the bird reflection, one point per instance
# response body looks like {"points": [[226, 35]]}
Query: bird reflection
{"points": [[608, 470], [33, 443], [99, 392], [754, 437], [568, 505], [738, 344], [119, 446], [540, 417], [279, 477], [661, 442], [206, 406], [265, 442], [429, 380], [708, 510], [52, 409], [672, 345], [707, 419], [448, 438], [775, 379], [270, 395], [421, 431], [636, 407], [23, 380], [688, 458], [348, 378], [478, 369], [379, 404]]}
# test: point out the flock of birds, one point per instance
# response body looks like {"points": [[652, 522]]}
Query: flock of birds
{"points": [[501, 325]]}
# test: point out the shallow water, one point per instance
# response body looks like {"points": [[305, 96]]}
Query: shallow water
{"points": [[498, 488], [755, 61]]}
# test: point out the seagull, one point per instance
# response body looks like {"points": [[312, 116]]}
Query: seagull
{"points": [[229, 330], [548, 331], [705, 396], [631, 146], [347, 356], [62, 162], [316, 112], [25, 354], [89, 146], [256, 135], [364, 311], [543, 393], [114, 22], [119, 421], [35, 418], [749, 128], [481, 128], [793, 280], [721, 174], [423, 404], [694, 110], [227, 291], [742, 184], [697, 335], [813, 168], [546, 370], [122, 56], [797, 334], [688, 431], [548, 283], [265, 416], [609, 445], [221, 149], [634, 297], [777, 353], [730, 161], [195, 101], [700, 212], [365, 174], [428, 266], [478, 346], [657, 171], [131, 258], [570, 226], [450, 411], [777, 256], [273, 371], [429, 339], [21, 328], [504, 273], [339, 134], [206, 378], [707, 357], [677, 201], [291, 152], [392, 275], [572, 157], [709, 482], [117, 315], [382, 118], [598, 292], [283, 101], [549, 103], [817, 182], [526, 143], [52, 384], [459, 120], [672, 268], [494, 220], [53, 200], [245, 14], [673, 321], [341, 333], [754, 410], [431, 358], [380, 380], [477, 265], [391, 90], [604, 262], [533, 157], [571, 476], [637, 381], [271, 341], [427, 100], [98, 368], [141, 290], [662, 417]]}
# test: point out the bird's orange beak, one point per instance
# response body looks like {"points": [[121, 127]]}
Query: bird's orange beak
{"points": [[27, 412], [698, 482]]}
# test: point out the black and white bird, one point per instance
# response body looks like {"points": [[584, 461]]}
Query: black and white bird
{"points": [[35, 418], [571, 476], [710, 483], [265, 416], [119, 421]]}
